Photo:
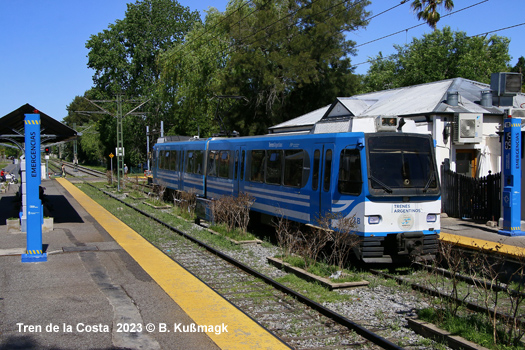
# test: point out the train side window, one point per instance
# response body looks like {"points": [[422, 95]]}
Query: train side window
{"points": [[173, 160], [315, 174], [199, 162], [350, 179], [243, 157], [274, 167], [327, 170], [236, 167], [212, 163], [190, 161], [224, 164], [167, 160], [257, 165], [293, 168], [161, 157]]}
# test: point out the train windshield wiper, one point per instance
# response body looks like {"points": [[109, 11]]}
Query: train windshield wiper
{"points": [[430, 179], [385, 187]]}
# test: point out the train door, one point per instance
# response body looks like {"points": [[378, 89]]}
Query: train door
{"points": [[322, 180]]}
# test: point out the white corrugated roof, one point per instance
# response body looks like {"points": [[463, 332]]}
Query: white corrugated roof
{"points": [[419, 99], [306, 119], [423, 99]]}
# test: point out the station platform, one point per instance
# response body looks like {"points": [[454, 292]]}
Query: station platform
{"points": [[104, 287], [478, 235]]}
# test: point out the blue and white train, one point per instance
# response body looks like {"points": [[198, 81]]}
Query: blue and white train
{"points": [[387, 180]]}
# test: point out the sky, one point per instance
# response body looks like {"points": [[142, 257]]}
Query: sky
{"points": [[43, 59]]}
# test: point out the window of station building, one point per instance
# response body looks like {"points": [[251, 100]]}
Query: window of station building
{"points": [[350, 179], [315, 175], [257, 165], [224, 164], [296, 168], [274, 167]]}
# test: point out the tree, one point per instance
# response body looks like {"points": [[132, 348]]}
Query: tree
{"points": [[125, 60], [288, 58], [427, 9], [284, 57], [440, 55], [189, 79], [124, 56]]}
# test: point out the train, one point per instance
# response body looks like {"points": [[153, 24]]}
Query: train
{"points": [[388, 182]]}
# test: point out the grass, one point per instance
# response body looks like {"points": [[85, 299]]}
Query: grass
{"points": [[472, 326], [313, 291], [236, 234], [322, 269], [185, 214]]}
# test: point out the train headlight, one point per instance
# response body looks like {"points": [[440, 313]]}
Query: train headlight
{"points": [[374, 219], [431, 217]]}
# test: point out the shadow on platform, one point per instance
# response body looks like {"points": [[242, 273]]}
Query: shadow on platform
{"points": [[55, 206], [59, 208]]}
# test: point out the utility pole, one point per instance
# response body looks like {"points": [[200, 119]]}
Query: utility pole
{"points": [[120, 116], [75, 154]]}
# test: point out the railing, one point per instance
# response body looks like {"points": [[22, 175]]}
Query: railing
{"points": [[466, 197]]}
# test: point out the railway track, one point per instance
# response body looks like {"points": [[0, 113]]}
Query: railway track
{"points": [[75, 170], [297, 320]]}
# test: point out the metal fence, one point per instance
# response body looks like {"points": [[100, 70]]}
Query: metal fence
{"points": [[466, 197]]}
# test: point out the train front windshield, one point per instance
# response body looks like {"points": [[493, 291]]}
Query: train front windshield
{"points": [[401, 165]]}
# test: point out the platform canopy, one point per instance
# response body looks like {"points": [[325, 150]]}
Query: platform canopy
{"points": [[51, 130]]}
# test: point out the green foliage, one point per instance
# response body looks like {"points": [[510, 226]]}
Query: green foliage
{"points": [[443, 54], [125, 60], [189, 80], [124, 56], [284, 57], [288, 58], [473, 327], [90, 147]]}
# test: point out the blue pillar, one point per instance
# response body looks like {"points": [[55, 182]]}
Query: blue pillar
{"points": [[511, 196], [34, 212]]}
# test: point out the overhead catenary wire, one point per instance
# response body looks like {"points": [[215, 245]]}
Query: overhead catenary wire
{"points": [[233, 47], [418, 25], [471, 36]]}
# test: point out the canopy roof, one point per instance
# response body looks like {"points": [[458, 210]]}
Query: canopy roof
{"points": [[51, 130]]}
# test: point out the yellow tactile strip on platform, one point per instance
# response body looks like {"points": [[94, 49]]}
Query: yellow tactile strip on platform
{"points": [[483, 244], [201, 303]]}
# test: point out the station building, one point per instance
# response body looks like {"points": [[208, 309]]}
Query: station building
{"points": [[464, 117]]}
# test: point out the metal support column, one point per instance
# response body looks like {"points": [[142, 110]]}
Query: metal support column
{"points": [[120, 142]]}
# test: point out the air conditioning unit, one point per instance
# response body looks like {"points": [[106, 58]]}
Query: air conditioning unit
{"points": [[386, 123], [468, 128], [505, 83]]}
